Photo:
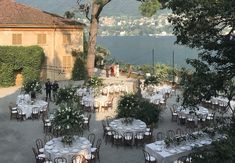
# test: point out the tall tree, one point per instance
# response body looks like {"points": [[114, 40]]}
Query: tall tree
{"points": [[93, 11], [208, 25]]}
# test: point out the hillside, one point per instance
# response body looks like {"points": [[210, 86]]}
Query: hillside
{"points": [[114, 8]]}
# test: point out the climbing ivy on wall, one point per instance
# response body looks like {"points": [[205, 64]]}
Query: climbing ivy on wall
{"points": [[13, 59]]}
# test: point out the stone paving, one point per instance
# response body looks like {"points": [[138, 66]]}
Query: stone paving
{"points": [[17, 138]]}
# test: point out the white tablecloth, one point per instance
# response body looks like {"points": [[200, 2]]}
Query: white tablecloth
{"points": [[156, 97], [223, 99], [201, 111], [168, 155], [164, 89], [90, 100], [23, 98], [121, 128], [55, 148], [27, 108]]}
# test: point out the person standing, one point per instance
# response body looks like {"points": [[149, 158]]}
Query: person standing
{"points": [[112, 70], [107, 70], [55, 87], [48, 89], [117, 70]]}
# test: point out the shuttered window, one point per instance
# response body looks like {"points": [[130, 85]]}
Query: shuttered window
{"points": [[17, 39], [42, 39], [66, 39], [67, 63]]}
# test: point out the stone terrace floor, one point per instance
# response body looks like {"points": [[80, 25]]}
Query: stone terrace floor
{"points": [[17, 138]]}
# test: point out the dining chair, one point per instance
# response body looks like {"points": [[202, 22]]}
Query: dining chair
{"points": [[148, 158], [86, 123], [78, 158], [96, 106], [139, 138], [91, 138], [117, 138], [109, 136], [108, 119], [47, 126], [179, 132], [60, 160], [96, 150], [40, 145], [170, 133], [174, 114], [13, 112], [47, 160], [20, 114], [35, 113], [40, 158], [148, 134], [48, 137], [160, 136], [183, 159], [128, 138]]}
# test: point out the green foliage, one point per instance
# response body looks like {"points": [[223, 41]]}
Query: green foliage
{"points": [[152, 80], [149, 8], [68, 121], [6, 75], [65, 95], [28, 60], [32, 85], [136, 107], [95, 82], [208, 25], [79, 70]]}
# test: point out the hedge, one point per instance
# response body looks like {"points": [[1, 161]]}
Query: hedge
{"points": [[28, 60]]}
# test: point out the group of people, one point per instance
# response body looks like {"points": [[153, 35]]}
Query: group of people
{"points": [[112, 70], [51, 87]]}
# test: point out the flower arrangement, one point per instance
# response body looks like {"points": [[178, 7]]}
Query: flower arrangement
{"points": [[68, 121], [95, 82], [128, 120], [32, 86], [65, 95], [152, 80], [168, 142], [67, 139]]}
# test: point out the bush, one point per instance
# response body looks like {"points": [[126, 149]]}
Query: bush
{"points": [[79, 70], [65, 95], [134, 106], [28, 60]]}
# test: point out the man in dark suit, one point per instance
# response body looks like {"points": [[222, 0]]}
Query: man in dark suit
{"points": [[55, 87], [48, 89]]}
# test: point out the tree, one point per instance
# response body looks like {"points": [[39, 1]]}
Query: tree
{"points": [[208, 25], [93, 11]]}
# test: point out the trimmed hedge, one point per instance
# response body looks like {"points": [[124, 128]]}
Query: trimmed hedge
{"points": [[28, 60]]}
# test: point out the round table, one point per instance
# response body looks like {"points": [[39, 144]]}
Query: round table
{"points": [[55, 148], [28, 108], [23, 98], [136, 126]]}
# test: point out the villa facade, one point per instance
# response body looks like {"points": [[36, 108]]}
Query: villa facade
{"points": [[22, 25]]}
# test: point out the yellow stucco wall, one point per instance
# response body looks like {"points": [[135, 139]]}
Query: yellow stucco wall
{"points": [[54, 49]]}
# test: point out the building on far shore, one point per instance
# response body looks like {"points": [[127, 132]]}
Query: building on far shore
{"points": [[22, 25]]}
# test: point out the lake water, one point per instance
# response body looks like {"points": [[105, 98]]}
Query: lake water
{"points": [[138, 49]]}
